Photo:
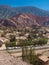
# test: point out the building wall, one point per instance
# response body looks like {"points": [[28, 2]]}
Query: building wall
{"points": [[43, 63]]}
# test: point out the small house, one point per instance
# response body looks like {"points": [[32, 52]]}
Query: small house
{"points": [[43, 60]]}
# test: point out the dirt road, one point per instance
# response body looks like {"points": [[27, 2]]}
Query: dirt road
{"points": [[7, 59]]}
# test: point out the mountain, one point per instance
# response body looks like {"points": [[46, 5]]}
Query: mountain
{"points": [[32, 10], [8, 12], [22, 17], [25, 20]]}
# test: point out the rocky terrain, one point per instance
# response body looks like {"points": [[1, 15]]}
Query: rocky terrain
{"points": [[22, 17], [25, 20], [7, 59]]}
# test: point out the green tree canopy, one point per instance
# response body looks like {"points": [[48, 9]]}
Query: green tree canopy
{"points": [[40, 41]]}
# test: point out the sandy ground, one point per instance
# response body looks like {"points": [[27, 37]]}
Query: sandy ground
{"points": [[7, 59]]}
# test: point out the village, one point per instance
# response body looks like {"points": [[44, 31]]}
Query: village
{"points": [[42, 54]]}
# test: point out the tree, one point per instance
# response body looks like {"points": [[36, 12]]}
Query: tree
{"points": [[24, 44], [23, 54], [40, 41], [12, 38], [33, 57], [11, 43], [30, 55]]}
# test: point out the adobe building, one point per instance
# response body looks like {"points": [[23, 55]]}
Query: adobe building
{"points": [[43, 60]]}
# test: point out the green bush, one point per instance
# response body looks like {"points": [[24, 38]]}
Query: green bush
{"points": [[25, 42], [10, 44], [40, 41]]}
